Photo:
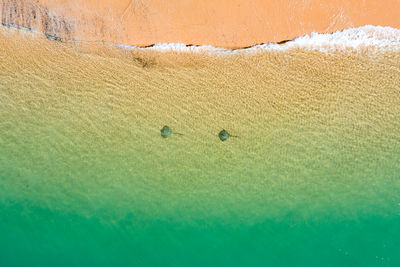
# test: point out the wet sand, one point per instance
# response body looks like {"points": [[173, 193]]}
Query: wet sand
{"points": [[224, 23]]}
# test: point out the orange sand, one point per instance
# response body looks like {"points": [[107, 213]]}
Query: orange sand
{"points": [[226, 23]]}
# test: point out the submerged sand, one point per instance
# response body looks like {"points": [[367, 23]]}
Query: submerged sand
{"points": [[80, 124]]}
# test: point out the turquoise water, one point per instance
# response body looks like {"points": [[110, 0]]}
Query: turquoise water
{"points": [[40, 237]]}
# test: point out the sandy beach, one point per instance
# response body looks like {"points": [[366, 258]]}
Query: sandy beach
{"points": [[225, 23]]}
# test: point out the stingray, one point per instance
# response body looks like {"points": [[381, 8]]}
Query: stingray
{"points": [[166, 131], [224, 135]]}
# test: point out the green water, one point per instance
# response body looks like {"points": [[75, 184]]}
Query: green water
{"points": [[86, 179], [34, 236]]}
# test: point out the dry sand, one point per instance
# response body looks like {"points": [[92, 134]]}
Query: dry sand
{"points": [[225, 23]]}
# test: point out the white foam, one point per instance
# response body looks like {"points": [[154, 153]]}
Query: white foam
{"points": [[375, 38], [361, 38]]}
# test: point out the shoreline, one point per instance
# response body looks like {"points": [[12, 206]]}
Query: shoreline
{"points": [[364, 38]]}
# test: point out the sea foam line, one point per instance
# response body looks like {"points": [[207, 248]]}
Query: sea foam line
{"points": [[368, 37], [353, 39]]}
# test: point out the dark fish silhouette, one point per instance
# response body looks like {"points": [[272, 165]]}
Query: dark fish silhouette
{"points": [[166, 131], [224, 135]]}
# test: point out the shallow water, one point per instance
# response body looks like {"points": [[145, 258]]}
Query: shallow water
{"points": [[312, 179]]}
